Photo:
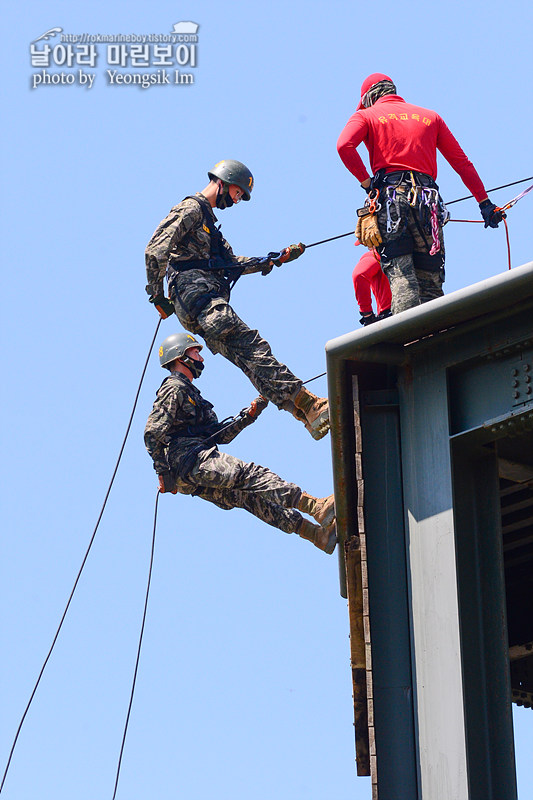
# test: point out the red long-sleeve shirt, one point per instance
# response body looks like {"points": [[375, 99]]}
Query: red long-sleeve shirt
{"points": [[402, 136]]}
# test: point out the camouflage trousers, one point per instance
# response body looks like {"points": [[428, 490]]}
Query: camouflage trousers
{"points": [[230, 483], [414, 275], [225, 333]]}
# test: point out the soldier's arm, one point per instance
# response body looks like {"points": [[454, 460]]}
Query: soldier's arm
{"points": [[180, 220], [351, 137], [457, 158]]}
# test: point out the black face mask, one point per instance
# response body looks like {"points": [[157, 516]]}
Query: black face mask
{"points": [[224, 198], [195, 367]]}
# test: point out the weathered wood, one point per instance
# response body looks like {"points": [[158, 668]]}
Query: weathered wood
{"points": [[357, 654]]}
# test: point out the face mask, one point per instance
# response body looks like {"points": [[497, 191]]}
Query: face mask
{"points": [[195, 367], [224, 198]]}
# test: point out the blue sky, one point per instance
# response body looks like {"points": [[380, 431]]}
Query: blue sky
{"points": [[244, 686]]}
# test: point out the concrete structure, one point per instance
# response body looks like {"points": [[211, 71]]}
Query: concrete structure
{"points": [[432, 440]]}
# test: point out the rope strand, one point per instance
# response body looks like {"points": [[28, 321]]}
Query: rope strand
{"points": [[138, 648], [82, 564]]}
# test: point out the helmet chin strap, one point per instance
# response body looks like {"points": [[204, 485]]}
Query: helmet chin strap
{"points": [[193, 365], [223, 196]]}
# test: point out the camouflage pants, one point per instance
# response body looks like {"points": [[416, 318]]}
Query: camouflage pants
{"points": [[229, 483], [414, 276], [225, 333]]}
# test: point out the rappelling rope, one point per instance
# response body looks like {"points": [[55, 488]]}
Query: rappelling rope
{"points": [[139, 647], [56, 636], [505, 185], [63, 617], [83, 562]]}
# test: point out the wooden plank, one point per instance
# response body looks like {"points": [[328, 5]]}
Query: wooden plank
{"points": [[357, 654]]}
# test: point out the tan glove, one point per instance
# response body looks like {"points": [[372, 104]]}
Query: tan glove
{"points": [[167, 483], [290, 253], [367, 231], [257, 406]]}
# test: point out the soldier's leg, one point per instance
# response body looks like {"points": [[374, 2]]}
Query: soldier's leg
{"points": [[362, 277], [287, 520], [403, 282], [430, 283], [226, 333], [382, 291], [219, 470], [429, 268], [397, 251]]}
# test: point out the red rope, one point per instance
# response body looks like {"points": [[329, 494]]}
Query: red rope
{"points": [[508, 242]]}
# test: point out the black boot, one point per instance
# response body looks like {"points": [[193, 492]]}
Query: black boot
{"points": [[384, 314], [368, 319]]}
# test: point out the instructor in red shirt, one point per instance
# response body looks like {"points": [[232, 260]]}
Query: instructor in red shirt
{"points": [[402, 141]]}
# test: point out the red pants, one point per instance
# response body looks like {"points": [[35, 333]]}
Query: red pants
{"points": [[367, 276]]}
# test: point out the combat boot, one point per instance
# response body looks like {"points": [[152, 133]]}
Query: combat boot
{"points": [[323, 538], [316, 412], [368, 319], [321, 508]]}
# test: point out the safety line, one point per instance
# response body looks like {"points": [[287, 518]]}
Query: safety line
{"points": [[451, 202], [314, 379], [139, 647], [331, 238], [83, 562], [508, 241], [505, 185]]}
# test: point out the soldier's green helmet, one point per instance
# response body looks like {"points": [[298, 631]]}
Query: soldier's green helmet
{"points": [[230, 171], [175, 346]]}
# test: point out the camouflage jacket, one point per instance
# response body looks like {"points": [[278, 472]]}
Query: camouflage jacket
{"points": [[184, 236], [181, 421]]}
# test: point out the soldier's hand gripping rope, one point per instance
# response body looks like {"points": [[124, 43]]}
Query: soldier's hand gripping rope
{"points": [[290, 253], [163, 305]]}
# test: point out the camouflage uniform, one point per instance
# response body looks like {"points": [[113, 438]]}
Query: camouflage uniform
{"points": [[201, 296], [181, 436], [414, 275]]}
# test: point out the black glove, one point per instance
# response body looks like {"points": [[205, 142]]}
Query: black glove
{"points": [[163, 305], [256, 407], [368, 188], [492, 215], [167, 483]]}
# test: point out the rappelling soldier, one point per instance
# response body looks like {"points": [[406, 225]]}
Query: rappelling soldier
{"points": [[404, 214], [201, 269], [182, 434]]}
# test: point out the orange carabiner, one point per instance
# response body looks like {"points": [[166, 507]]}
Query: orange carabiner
{"points": [[373, 205]]}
